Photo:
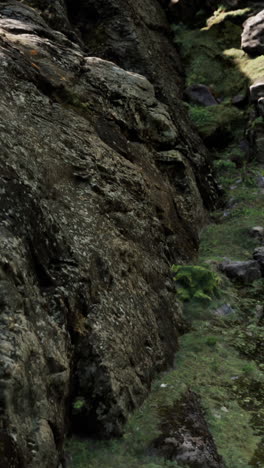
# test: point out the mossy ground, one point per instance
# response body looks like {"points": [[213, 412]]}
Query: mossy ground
{"points": [[211, 363], [229, 234], [220, 358]]}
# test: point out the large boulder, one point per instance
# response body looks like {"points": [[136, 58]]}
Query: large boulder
{"points": [[252, 40], [201, 95], [91, 220]]}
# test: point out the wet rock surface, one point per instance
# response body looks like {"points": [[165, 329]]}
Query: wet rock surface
{"points": [[91, 219]]}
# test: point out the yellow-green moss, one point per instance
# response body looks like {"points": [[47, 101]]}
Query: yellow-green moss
{"points": [[203, 52], [221, 15], [252, 68]]}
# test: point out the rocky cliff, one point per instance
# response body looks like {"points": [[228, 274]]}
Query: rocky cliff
{"points": [[103, 185]]}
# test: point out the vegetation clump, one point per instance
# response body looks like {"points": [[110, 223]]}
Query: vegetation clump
{"points": [[222, 118], [196, 282]]}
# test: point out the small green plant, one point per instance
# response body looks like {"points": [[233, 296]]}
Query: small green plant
{"points": [[196, 282], [249, 368], [78, 404], [211, 341]]}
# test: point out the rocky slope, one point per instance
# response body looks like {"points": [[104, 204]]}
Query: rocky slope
{"points": [[103, 187], [207, 410]]}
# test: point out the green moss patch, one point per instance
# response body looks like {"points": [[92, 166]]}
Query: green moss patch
{"points": [[223, 118], [206, 62], [222, 14], [112, 454], [209, 365]]}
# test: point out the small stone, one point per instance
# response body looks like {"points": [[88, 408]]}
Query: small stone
{"points": [[223, 310], [260, 181], [257, 232], [261, 106], [258, 255], [224, 409], [257, 90], [245, 272], [200, 94], [239, 100]]}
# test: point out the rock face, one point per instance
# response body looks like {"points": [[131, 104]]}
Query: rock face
{"points": [[253, 35], [103, 185]]}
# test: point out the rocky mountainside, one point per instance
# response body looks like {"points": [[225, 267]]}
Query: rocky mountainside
{"points": [[104, 184]]}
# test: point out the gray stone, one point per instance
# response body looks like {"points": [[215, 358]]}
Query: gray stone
{"points": [[245, 272], [260, 181], [258, 255], [252, 40], [257, 90], [223, 310], [240, 100], [257, 232], [261, 106], [200, 94]]}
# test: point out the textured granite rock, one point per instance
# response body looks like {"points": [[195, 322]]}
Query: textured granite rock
{"points": [[91, 217]]}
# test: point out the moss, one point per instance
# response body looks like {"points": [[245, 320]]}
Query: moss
{"points": [[205, 59], [196, 282], [207, 364], [222, 14], [209, 120], [251, 68], [112, 454]]}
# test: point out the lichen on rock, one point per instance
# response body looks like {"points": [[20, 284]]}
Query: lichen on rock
{"points": [[91, 220]]}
